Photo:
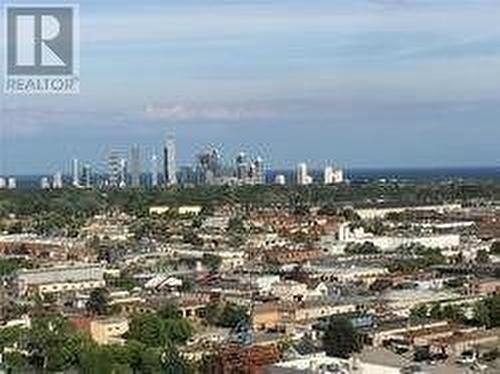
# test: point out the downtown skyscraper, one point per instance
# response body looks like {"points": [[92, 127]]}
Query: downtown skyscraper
{"points": [[135, 166], [170, 169]]}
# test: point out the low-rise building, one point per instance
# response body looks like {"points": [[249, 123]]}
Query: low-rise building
{"points": [[266, 316], [103, 330], [109, 330], [486, 287], [348, 274], [181, 210], [289, 290], [281, 256], [60, 279]]}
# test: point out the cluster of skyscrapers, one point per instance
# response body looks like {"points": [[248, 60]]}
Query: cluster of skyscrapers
{"points": [[131, 166]]}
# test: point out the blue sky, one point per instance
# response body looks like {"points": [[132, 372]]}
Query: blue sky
{"points": [[356, 82]]}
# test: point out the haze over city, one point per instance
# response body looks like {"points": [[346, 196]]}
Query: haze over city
{"points": [[361, 83]]}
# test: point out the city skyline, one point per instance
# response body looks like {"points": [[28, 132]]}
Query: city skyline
{"points": [[370, 84]]}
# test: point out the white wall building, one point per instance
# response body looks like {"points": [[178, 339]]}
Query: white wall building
{"points": [[57, 181], [11, 183], [372, 213], [332, 175], [280, 180], [387, 243], [303, 178], [44, 183]]}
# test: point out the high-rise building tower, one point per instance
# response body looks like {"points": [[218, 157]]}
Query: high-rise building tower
{"points": [[87, 177], [242, 168], [259, 177], [332, 175], [328, 175], [135, 166], [122, 183], [302, 177], [76, 173], [209, 168], [44, 183], [169, 162], [57, 181], [11, 183], [338, 176], [113, 168], [154, 170], [3, 182]]}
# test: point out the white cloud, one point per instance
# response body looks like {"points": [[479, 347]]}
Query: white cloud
{"points": [[187, 112]]}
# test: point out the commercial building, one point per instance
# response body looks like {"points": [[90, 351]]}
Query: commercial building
{"points": [[135, 166], [11, 183], [57, 181], [60, 279], [303, 178], [332, 175], [170, 169]]}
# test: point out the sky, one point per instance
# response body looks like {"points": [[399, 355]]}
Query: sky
{"points": [[356, 83]]}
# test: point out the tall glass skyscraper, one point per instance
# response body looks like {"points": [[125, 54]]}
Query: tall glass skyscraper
{"points": [[169, 162], [135, 166]]}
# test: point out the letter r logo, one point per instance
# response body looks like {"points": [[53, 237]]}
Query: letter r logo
{"points": [[40, 40]]}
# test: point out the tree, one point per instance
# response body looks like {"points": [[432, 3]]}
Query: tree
{"points": [[493, 305], [98, 302], [192, 238], [436, 312], [365, 248], [96, 359], [10, 336], [212, 262], [231, 315], [173, 363], [177, 330], [453, 313], [158, 329], [341, 339], [495, 248], [16, 362], [458, 258], [236, 225], [169, 311], [381, 284], [147, 329], [52, 345], [150, 361], [487, 312], [419, 313], [482, 256], [481, 314]]}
